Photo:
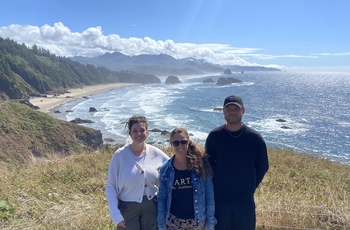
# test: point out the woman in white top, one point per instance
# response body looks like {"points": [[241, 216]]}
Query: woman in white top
{"points": [[132, 183]]}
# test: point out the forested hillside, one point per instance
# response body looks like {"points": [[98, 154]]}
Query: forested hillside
{"points": [[34, 71]]}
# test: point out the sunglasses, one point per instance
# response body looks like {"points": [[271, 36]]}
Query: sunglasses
{"points": [[177, 143]]}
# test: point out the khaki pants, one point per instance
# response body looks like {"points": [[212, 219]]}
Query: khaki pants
{"points": [[139, 216]]}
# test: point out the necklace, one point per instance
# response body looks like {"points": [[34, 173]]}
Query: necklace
{"points": [[240, 133]]}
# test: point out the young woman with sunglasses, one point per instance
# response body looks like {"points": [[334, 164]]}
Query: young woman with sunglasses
{"points": [[185, 197], [132, 183]]}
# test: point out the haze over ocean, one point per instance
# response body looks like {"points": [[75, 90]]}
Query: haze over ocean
{"points": [[315, 106]]}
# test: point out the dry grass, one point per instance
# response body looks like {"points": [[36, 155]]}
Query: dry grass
{"points": [[299, 192], [66, 193], [303, 192]]}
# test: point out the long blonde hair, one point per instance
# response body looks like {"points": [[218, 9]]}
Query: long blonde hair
{"points": [[197, 160]]}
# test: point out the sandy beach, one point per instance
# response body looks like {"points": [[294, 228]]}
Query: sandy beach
{"points": [[47, 103]]}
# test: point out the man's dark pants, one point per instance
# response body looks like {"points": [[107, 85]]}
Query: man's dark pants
{"points": [[235, 216]]}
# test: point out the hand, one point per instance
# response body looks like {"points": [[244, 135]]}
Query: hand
{"points": [[121, 224]]}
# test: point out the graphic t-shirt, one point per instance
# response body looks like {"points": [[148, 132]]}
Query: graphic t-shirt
{"points": [[182, 195]]}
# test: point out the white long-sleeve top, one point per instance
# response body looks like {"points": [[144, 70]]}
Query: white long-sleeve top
{"points": [[127, 182]]}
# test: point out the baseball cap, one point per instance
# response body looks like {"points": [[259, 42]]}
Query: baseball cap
{"points": [[233, 99]]}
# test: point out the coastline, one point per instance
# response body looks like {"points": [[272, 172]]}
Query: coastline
{"points": [[47, 104]]}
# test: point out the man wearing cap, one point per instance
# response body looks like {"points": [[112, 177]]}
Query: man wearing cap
{"points": [[239, 159]]}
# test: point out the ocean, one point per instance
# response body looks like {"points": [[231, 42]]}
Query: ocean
{"points": [[315, 107]]}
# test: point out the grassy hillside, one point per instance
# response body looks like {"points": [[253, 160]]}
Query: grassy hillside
{"points": [[28, 135], [299, 192]]}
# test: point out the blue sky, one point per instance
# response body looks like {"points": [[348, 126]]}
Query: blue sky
{"points": [[294, 35]]}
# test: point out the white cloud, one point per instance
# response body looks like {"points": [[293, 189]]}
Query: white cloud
{"points": [[58, 32], [60, 40], [334, 54], [270, 57]]}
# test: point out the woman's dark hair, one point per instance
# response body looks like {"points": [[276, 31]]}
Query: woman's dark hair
{"points": [[197, 160], [133, 120]]}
